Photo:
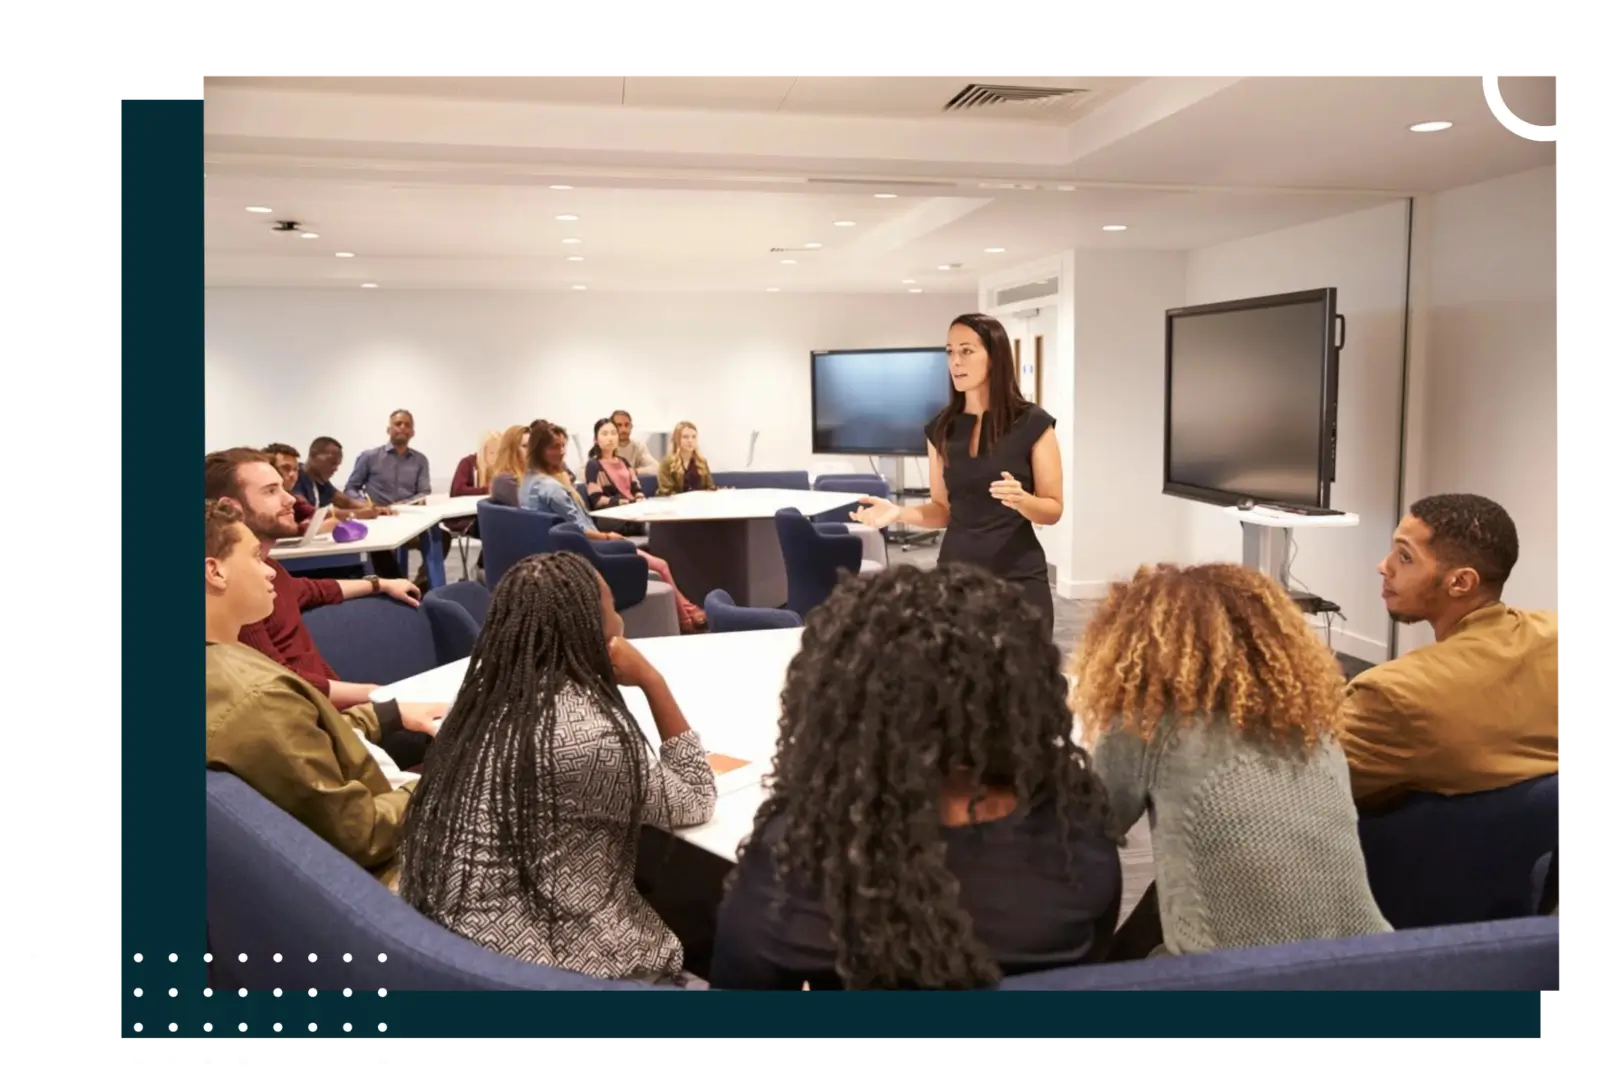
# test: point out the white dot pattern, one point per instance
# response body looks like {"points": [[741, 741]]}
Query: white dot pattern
{"points": [[348, 1027], [241, 1027], [138, 958], [174, 1027], [382, 958], [137, 1025], [276, 1026], [348, 992], [312, 958], [312, 991], [138, 991], [347, 958], [382, 1027], [173, 992], [276, 958], [241, 958], [242, 992], [277, 991], [208, 1027], [208, 958], [382, 992], [173, 957], [208, 991], [312, 1025]]}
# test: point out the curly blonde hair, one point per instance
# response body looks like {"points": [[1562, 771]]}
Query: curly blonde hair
{"points": [[1202, 640]]}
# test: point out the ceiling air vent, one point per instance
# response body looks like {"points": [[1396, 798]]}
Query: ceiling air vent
{"points": [[986, 95]]}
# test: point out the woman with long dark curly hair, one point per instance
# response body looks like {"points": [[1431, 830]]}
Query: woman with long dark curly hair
{"points": [[1205, 695], [522, 834], [930, 823]]}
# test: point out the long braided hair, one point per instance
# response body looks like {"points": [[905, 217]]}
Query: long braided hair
{"points": [[543, 636], [903, 679]]}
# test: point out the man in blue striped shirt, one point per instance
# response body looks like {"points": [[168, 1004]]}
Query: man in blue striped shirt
{"points": [[393, 473]]}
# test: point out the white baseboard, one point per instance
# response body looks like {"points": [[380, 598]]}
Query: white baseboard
{"points": [[1350, 643], [1070, 589]]}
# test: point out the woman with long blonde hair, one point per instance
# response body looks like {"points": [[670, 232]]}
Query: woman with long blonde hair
{"points": [[1209, 703], [684, 468], [473, 472], [511, 462]]}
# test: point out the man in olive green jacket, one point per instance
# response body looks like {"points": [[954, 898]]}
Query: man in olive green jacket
{"points": [[277, 732]]}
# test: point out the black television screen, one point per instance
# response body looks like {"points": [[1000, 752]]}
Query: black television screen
{"points": [[1251, 400], [875, 401]]}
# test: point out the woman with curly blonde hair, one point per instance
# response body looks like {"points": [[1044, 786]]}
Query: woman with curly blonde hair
{"points": [[1210, 704]]}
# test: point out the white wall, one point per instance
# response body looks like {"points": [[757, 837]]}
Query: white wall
{"points": [[288, 365], [1489, 367], [1363, 255], [1120, 517]]}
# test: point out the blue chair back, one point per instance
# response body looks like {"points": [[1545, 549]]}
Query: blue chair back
{"points": [[726, 617], [854, 483], [275, 887], [1519, 954], [373, 639], [791, 479], [1437, 860], [455, 632], [473, 596], [510, 535], [625, 572], [649, 484], [813, 558]]}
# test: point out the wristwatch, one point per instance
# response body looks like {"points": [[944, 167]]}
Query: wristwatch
{"points": [[376, 583]]}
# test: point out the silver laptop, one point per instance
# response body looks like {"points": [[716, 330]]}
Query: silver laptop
{"points": [[312, 531]]}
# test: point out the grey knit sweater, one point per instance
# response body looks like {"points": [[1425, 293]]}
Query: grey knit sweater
{"points": [[1254, 842]]}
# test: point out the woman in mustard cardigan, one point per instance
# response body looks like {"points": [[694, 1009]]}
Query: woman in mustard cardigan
{"points": [[685, 468]]}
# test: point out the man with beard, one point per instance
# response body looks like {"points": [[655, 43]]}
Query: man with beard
{"points": [[1478, 709], [246, 479]]}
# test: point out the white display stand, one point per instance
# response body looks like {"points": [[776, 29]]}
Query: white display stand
{"points": [[1268, 534]]}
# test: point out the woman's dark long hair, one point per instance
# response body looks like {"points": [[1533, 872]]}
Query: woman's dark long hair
{"points": [[542, 434], [1007, 401], [596, 430], [902, 679], [497, 748]]}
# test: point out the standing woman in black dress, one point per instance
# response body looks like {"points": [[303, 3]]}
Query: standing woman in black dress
{"points": [[994, 470]]}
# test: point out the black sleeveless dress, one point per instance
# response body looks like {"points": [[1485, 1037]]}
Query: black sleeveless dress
{"points": [[983, 531]]}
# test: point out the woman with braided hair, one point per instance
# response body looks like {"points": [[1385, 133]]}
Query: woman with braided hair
{"points": [[930, 823], [1207, 698], [522, 834]]}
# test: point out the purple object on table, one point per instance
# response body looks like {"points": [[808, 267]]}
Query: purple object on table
{"points": [[345, 532]]}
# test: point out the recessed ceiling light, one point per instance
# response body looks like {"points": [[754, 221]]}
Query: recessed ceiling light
{"points": [[914, 290], [259, 210], [310, 236], [943, 266], [1065, 187], [571, 240], [562, 187], [345, 254], [811, 244], [368, 284], [994, 251], [579, 288], [567, 217], [790, 262], [1431, 125], [576, 258], [908, 281], [1115, 228], [772, 288], [885, 195], [844, 224]]}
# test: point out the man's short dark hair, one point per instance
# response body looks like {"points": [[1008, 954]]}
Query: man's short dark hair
{"points": [[322, 444], [616, 413], [222, 468], [1471, 530], [398, 412], [279, 449]]}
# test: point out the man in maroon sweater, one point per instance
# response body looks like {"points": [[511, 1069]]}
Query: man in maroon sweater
{"points": [[247, 478]]}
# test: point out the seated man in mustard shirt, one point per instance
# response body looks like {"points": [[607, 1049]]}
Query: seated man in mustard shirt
{"points": [[1478, 709]]}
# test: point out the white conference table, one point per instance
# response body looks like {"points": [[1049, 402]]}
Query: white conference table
{"points": [[727, 539], [390, 533], [729, 687]]}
